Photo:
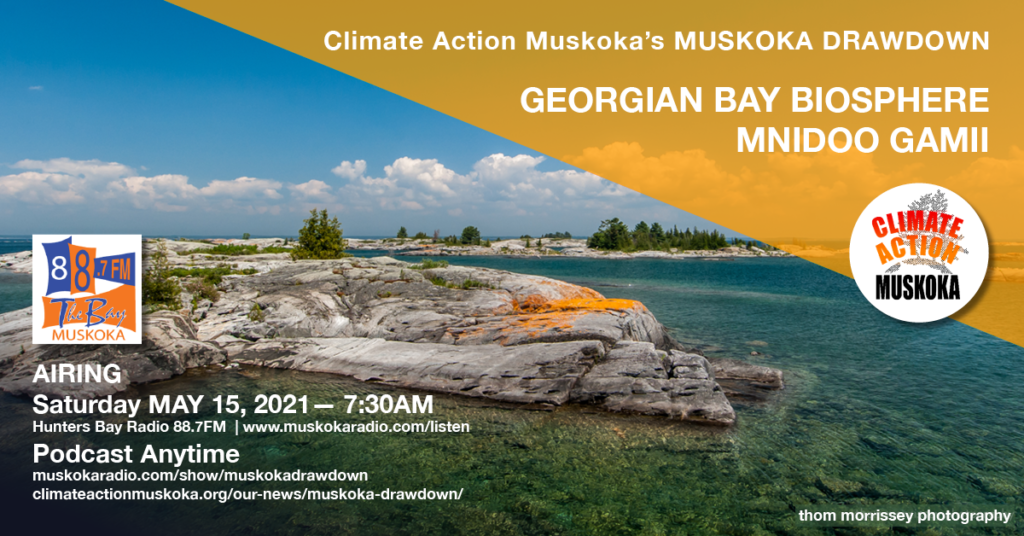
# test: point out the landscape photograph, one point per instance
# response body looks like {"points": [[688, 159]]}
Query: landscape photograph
{"points": [[338, 280]]}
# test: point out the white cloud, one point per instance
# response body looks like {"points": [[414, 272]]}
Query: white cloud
{"points": [[425, 175], [63, 181], [164, 193], [86, 169], [509, 184], [165, 207], [243, 188], [146, 192], [41, 188], [348, 170], [60, 181], [313, 189], [512, 184], [35, 88], [500, 166], [409, 205], [497, 187], [407, 184]]}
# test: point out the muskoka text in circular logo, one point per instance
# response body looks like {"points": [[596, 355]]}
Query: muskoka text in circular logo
{"points": [[919, 252]]}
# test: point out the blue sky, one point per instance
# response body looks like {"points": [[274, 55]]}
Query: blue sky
{"points": [[141, 117]]}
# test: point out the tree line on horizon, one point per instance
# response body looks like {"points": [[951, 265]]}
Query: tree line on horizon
{"points": [[471, 236], [615, 235], [321, 238]]}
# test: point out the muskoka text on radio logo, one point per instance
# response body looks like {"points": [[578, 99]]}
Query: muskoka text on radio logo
{"points": [[919, 250], [86, 289]]}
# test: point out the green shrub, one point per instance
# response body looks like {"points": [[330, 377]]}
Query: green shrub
{"points": [[468, 284], [421, 236], [203, 289], [320, 238], [402, 233], [158, 287], [235, 250], [224, 249], [245, 236], [428, 264], [211, 275], [256, 313]]}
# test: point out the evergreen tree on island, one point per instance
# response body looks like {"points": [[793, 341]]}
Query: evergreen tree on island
{"points": [[320, 238], [470, 235]]}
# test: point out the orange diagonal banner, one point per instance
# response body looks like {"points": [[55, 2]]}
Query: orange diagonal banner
{"points": [[806, 202]]}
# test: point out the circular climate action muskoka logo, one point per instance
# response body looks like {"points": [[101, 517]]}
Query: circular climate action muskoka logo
{"points": [[919, 252]]}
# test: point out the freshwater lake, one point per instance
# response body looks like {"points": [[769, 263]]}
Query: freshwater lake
{"points": [[876, 412]]}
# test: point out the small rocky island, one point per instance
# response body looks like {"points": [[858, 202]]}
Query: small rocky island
{"points": [[567, 247], [475, 332]]}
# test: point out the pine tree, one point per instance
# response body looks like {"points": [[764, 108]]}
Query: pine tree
{"points": [[470, 235], [157, 286], [320, 238]]}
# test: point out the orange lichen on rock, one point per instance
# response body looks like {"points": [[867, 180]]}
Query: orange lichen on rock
{"points": [[552, 311], [547, 291], [589, 305], [561, 316], [541, 323]]}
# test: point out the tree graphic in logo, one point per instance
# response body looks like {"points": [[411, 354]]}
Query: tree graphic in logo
{"points": [[938, 204]]}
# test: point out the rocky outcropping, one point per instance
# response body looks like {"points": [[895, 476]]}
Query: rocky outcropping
{"points": [[169, 346], [20, 262], [572, 247], [531, 374], [389, 299], [635, 377], [474, 332]]}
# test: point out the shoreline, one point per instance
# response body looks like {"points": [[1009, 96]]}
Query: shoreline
{"points": [[21, 262], [475, 332], [575, 248]]}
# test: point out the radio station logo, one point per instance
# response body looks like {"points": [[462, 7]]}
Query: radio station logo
{"points": [[86, 289], [919, 252]]}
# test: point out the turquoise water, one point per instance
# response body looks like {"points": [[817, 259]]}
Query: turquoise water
{"points": [[14, 244], [876, 413], [15, 289]]}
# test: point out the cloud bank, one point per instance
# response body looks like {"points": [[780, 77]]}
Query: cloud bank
{"points": [[497, 187]]}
